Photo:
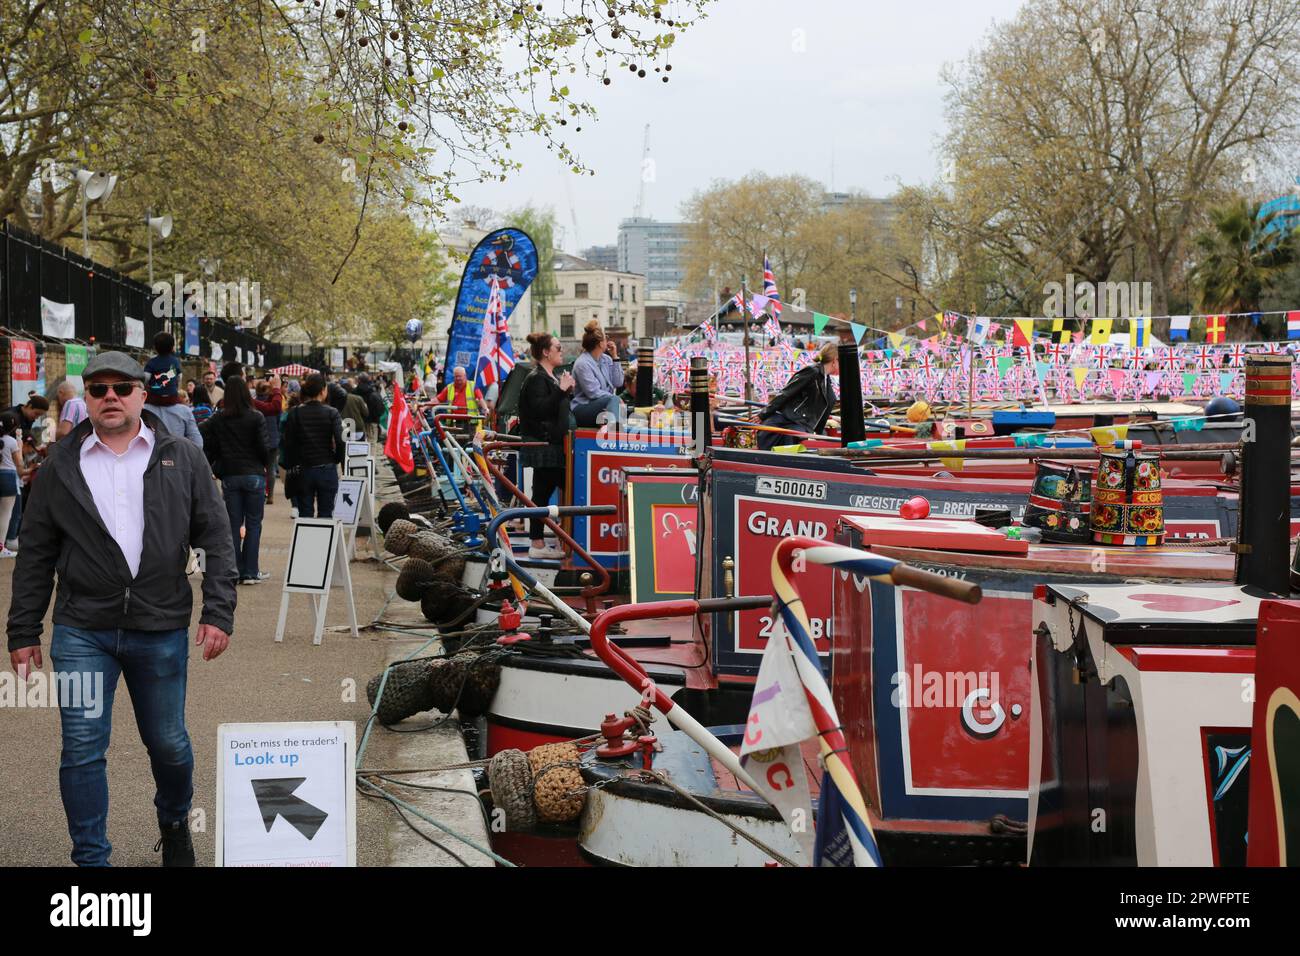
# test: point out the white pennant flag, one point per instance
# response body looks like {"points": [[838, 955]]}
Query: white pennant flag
{"points": [[779, 721]]}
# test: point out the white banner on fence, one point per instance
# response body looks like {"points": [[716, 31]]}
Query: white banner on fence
{"points": [[58, 319], [134, 332]]}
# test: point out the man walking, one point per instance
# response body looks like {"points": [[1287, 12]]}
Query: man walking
{"points": [[123, 603]]}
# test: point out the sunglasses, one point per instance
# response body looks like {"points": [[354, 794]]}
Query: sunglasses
{"points": [[120, 389]]}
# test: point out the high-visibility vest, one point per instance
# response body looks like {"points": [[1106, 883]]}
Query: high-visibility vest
{"points": [[471, 406]]}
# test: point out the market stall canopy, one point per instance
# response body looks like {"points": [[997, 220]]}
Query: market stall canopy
{"points": [[294, 371]]}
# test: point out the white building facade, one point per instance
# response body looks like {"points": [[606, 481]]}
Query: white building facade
{"points": [[585, 291]]}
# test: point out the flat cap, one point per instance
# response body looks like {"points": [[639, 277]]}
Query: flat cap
{"points": [[116, 362]]}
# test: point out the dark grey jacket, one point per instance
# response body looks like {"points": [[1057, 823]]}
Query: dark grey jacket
{"points": [[63, 532]]}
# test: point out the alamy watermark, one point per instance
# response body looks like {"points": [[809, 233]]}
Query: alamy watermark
{"points": [[66, 690], [1096, 300], [636, 432], [212, 299], [975, 693]]}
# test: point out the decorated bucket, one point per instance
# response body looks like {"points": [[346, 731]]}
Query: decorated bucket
{"points": [[1060, 503], [733, 437], [1127, 503]]}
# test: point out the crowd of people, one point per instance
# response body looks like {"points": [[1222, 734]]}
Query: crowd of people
{"points": [[251, 431], [257, 431]]}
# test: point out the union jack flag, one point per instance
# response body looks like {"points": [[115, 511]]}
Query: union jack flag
{"points": [[1204, 357], [1237, 355], [1057, 353], [769, 285], [1169, 358], [496, 356], [926, 365]]}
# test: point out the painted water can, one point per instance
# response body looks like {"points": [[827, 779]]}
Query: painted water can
{"points": [[1127, 503], [1060, 503]]}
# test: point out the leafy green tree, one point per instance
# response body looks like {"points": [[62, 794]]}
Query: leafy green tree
{"points": [[1239, 260], [540, 223], [1090, 136], [273, 132]]}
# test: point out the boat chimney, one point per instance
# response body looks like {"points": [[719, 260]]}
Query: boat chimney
{"points": [[852, 427], [701, 416], [1263, 526], [645, 374]]}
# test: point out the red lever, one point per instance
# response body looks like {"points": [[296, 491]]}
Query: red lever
{"points": [[647, 743]]}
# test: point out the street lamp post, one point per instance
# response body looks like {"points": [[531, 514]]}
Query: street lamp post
{"points": [[853, 305]]}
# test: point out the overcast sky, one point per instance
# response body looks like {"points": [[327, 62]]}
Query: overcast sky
{"points": [[864, 89]]}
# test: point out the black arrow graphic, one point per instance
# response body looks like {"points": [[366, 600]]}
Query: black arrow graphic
{"points": [[346, 500], [275, 798]]}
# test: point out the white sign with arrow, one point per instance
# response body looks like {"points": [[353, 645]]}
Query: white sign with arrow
{"points": [[286, 794], [354, 507]]}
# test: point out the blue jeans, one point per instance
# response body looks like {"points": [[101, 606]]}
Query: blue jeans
{"points": [[320, 486], [245, 502], [588, 416], [155, 665]]}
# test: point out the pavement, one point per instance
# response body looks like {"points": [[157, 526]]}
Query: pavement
{"points": [[256, 679]]}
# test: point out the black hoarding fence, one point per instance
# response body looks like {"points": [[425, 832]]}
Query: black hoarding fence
{"points": [[32, 268]]}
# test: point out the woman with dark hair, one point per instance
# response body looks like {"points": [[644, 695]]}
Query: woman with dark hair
{"points": [[544, 416], [201, 404], [597, 378], [313, 450], [12, 471], [235, 441]]}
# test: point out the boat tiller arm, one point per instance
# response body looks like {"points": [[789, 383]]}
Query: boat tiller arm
{"points": [[431, 438], [550, 511], [602, 580], [440, 417], [792, 552], [628, 668]]}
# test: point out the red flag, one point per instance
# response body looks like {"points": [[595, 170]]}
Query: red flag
{"points": [[398, 445]]}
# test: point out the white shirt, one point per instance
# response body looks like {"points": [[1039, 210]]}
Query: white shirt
{"points": [[8, 454], [117, 485]]}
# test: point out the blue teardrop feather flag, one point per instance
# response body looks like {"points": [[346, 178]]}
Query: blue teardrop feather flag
{"points": [[510, 256]]}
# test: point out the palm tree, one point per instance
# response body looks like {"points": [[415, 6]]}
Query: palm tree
{"points": [[1240, 259]]}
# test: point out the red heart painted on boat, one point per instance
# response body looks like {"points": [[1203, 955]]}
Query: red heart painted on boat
{"points": [[1177, 602], [914, 508]]}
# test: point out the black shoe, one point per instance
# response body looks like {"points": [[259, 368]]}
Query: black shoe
{"points": [[175, 843]]}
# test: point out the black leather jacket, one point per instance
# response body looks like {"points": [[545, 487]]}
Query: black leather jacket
{"points": [[806, 400]]}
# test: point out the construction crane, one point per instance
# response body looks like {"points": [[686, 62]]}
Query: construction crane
{"points": [[645, 157]]}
